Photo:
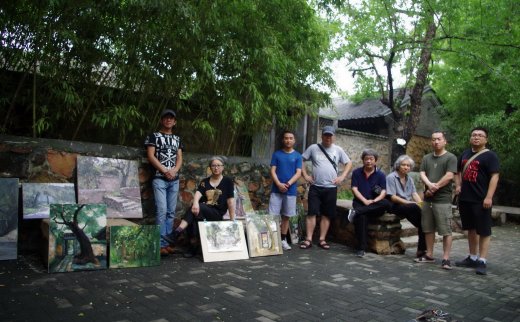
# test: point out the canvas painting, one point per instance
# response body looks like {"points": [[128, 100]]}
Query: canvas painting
{"points": [[134, 246], [77, 237], [263, 235], [114, 182], [37, 198], [222, 241], [8, 218], [243, 206]]}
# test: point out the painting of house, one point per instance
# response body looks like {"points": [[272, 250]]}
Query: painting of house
{"points": [[77, 237], [373, 121], [222, 240], [8, 218], [114, 182], [37, 198]]}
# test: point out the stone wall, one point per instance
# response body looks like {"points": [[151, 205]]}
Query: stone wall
{"points": [[48, 160], [354, 143]]}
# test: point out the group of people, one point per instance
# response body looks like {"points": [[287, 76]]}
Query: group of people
{"points": [[475, 174]]}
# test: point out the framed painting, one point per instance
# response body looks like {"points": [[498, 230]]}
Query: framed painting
{"points": [[114, 182], [77, 237], [8, 218], [134, 246], [222, 241], [37, 198], [263, 235]]}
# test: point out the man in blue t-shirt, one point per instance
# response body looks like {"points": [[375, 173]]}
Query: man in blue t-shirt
{"points": [[286, 169], [369, 189]]}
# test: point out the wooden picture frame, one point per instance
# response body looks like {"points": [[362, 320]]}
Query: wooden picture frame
{"points": [[223, 241]]}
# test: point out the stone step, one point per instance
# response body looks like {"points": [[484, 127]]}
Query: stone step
{"points": [[411, 241], [407, 229]]}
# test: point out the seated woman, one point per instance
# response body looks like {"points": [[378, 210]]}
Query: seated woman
{"points": [[213, 198], [400, 189]]}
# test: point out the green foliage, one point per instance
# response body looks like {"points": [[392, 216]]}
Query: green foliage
{"points": [[478, 76], [345, 194], [111, 66], [134, 246]]}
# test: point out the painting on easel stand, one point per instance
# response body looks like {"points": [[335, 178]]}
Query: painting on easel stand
{"points": [[37, 198], [8, 218], [222, 241], [114, 182], [134, 246], [77, 237], [263, 235]]}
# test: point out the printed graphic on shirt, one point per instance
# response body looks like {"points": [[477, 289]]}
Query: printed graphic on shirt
{"points": [[212, 195], [471, 172], [166, 147]]}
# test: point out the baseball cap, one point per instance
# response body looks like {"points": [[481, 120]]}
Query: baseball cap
{"points": [[328, 130], [168, 111]]}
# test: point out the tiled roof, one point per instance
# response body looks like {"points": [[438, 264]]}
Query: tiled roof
{"points": [[342, 109]]}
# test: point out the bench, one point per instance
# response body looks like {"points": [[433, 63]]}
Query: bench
{"points": [[384, 232]]}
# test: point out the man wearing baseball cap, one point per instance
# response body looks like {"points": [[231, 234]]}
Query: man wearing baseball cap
{"points": [[324, 179], [164, 152]]}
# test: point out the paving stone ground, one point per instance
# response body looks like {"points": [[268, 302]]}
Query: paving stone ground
{"points": [[300, 285]]}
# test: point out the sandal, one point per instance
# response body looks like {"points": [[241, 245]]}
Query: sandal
{"points": [[424, 259], [323, 244], [306, 244]]}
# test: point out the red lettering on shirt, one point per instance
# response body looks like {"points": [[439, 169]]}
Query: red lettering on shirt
{"points": [[471, 172]]}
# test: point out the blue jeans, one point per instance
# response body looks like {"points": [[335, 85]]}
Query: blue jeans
{"points": [[165, 193]]}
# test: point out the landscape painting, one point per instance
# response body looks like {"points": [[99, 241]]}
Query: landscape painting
{"points": [[8, 218], [222, 241], [134, 246], [243, 206], [263, 236], [77, 237], [37, 198], [114, 182]]}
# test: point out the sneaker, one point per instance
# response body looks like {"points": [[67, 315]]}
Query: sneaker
{"points": [[481, 268], [466, 262], [360, 253], [285, 245], [351, 215], [446, 264], [172, 237]]}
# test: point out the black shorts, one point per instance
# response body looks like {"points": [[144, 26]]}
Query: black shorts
{"points": [[475, 217], [322, 201]]}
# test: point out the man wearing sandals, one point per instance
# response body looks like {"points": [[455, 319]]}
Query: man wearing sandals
{"points": [[476, 183], [437, 172], [325, 158], [369, 188]]}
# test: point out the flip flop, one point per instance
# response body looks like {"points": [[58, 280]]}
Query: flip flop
{"points": [[306, 244], [323, 244]]}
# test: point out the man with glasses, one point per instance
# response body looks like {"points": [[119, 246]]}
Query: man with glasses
{"points": [[476, 183]]}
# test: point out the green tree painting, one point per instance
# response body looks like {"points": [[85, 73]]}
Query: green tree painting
{"points": [[77, 237], [134, 246]]}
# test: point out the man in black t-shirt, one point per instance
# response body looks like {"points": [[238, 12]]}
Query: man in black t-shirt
{"points": [[476, 183]]}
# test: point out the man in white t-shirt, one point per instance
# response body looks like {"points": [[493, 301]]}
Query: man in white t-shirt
{"points": [[326, 158]]}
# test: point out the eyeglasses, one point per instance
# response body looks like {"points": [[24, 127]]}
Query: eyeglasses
{"points": [[478, 135], [215, 166]]}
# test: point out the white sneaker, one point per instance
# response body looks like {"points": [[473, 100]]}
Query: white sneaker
{"points": [[285, 245], [351, 215]]}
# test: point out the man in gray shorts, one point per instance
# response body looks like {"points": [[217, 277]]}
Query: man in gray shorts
{"points": [[286, 169], [437, 172], [324, 184]]}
